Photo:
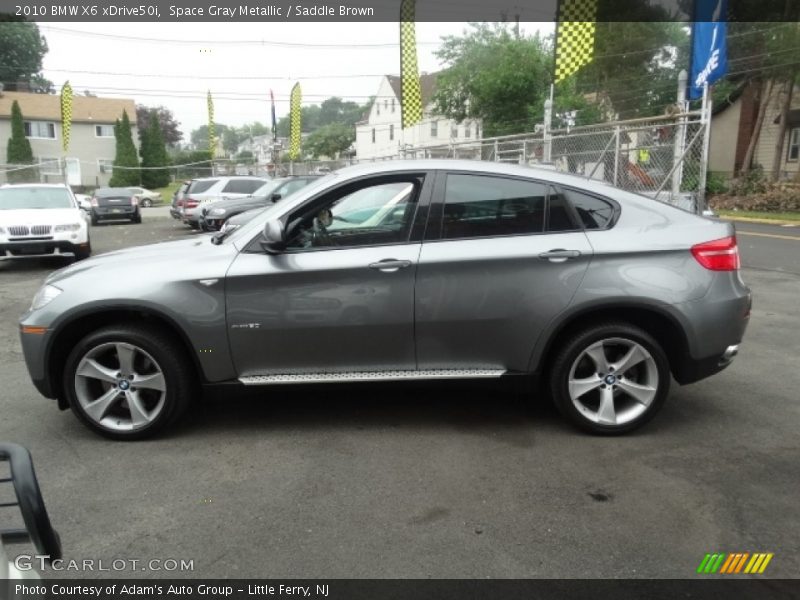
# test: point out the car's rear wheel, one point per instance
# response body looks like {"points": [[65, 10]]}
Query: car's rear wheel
{"points": [[147, 203], [95, 220], [137, 218], [610, 378], [127, 382]]}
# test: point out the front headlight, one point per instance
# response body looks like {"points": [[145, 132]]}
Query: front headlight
{"points": [[45, 295], [69, 227], [217, 211]]}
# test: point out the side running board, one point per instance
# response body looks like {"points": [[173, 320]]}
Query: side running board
{"points": [[372, 376]]}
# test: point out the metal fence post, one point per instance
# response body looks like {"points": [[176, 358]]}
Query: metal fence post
{"points": [[496, 155], [548, 122], [616, 154], [706, 125], [680, 135]]}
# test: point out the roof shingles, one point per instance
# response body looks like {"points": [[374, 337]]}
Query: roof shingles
{"points": [[84, 108]]}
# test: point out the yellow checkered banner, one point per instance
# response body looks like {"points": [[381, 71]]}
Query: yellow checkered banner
{"points": [[212, 134], [295, 122], [66, 114], [411, 97], [574, 36]]}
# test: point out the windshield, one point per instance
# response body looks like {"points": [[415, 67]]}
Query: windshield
{"points": [[268, 188], [34, 197]]}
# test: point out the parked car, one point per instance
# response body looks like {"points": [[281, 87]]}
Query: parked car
{"points": [[215, 214], [42, 220], [146, 197], [405, 270], [115, 204], [237, 221], [203, 192], [177, 200]]}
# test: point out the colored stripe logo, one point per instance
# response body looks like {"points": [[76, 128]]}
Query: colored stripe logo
{"points": [[734, 563]]}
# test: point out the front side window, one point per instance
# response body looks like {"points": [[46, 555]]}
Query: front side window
{"points": [[485, 206], [593, 212], [794, 144], [40, 129], [371, 215]]}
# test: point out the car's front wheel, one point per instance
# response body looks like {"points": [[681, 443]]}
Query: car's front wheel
{"points": [[610, 378], [127, 382], [147, 203]]}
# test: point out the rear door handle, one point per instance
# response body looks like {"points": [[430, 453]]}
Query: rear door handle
{"points": [[559, 255], [390, 265]]}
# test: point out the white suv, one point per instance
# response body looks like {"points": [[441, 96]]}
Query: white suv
{"points": [[42, 220], [204, 191]]}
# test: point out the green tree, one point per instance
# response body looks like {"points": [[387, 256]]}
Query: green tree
{"points": [[154, 154], [169, 126], [22, 48], [329, 140], [494, 75], [19, 150], [125, 158]]}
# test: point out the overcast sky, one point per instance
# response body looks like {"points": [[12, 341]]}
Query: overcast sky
{"points": [[176, 67]]}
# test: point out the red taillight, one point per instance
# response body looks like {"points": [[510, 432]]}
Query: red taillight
{"points": [[718, 255], [189, 203], [94, 202], [135, 201], [179, 203]]}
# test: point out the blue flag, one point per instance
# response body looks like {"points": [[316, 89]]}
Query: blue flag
{"points": [[709, 47]]}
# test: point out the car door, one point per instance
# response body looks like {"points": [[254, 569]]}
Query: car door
{"points": [[505, 257], [340, 298]]}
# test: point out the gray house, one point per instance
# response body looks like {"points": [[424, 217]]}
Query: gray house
{"points": [[92, 146]]}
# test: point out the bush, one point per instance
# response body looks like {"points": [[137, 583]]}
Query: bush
{"points": [[18, 151], [775, 197]]}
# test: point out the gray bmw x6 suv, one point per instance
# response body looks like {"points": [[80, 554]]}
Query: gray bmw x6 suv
{"points": [[397, 271]]}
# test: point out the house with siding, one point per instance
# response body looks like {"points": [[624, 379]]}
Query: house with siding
{"points": [[380, 135], [733, 126], [88, 160]]}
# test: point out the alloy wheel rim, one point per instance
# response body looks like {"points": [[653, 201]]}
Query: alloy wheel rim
{"points": [[613, 381], [120, 386]]}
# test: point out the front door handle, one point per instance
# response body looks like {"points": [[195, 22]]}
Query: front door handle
{"points": [[559, 255], [390, 265]]}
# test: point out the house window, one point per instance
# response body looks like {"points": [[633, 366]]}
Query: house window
{"points": [[794, 144], [40, 129], [454, 130], [392, 104], [391, 132], [104, 131], [466, 130], [434, 128], [49, 165], [105, 165], [373, 135]]}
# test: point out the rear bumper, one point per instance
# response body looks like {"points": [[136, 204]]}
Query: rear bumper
{"points": [[122, 212]]}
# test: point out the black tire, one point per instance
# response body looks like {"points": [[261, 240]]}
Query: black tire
{"points": [[147, 203], [572, 349], [171, 359], [137, 218], [83, 253], [95, 220]]}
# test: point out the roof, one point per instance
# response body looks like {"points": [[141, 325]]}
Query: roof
{"points": [[427, 85], [84, 108]]}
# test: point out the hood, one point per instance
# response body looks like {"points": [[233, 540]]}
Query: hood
{"points": [[179, 259], [41, 216]]}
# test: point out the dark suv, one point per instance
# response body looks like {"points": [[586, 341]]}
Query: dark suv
{"points": [[114, 204]]}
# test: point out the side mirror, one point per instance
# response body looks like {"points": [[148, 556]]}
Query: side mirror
{"points": [[275, 197], [274, 237]]}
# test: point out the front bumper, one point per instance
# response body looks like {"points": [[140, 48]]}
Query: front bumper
{"points": [[39, 248], [211, 223], [34, 349]]}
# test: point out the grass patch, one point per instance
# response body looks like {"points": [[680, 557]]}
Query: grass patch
{"points": [[167, 191], [754, 214]]}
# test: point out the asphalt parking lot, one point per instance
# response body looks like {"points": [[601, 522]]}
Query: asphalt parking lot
{"points": [[449, 482]]}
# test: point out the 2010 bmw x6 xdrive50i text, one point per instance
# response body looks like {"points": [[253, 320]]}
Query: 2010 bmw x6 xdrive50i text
{"points": [[405, 270]]}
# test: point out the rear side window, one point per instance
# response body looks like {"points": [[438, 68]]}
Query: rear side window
{"points": [[593, 212], [558, 215], [485, 206], [198, 187], [242, 186]]}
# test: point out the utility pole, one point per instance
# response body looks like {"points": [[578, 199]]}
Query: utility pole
{"points": [[548, 125]]}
